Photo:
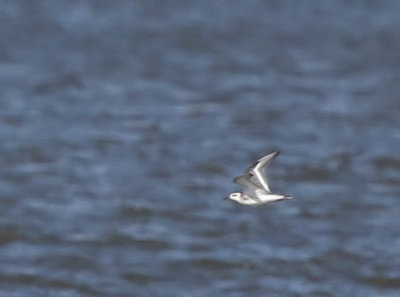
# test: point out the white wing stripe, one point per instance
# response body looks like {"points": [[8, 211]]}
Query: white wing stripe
{"points": [[259, 169]]}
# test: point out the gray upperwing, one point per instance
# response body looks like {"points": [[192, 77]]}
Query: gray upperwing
{"points": [[249, 188], [256, 172]]}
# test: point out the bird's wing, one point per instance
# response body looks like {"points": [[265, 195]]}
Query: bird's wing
{"points": [[249, 188], [256, 172]]}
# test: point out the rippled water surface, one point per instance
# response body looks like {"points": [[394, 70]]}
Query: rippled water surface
{"points": [[124, 122]]}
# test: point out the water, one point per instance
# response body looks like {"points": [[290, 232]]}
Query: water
{"points": [[123, 124]]}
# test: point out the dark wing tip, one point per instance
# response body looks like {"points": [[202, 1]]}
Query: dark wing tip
{"points": [[276, 153], [273, 153]]}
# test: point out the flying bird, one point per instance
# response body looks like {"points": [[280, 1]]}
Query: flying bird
{"points": [[254, 181]]}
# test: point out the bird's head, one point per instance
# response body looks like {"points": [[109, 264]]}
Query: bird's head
{"points": [[235, 196]]}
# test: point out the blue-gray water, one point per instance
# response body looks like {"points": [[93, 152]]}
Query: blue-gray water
{"points": [[124, 122]]}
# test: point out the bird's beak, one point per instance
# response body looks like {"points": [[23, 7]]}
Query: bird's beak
{"points": [[225, 198]]}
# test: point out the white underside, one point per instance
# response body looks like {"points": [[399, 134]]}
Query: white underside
{"points": [[261, 199]]}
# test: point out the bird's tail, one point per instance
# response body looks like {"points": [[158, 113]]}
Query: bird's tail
{"points": [[285, 198]]}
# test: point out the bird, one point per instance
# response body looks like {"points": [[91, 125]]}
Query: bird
{"points": [[256, 190]]}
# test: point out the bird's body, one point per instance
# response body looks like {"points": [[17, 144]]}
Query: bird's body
{"points": [[255, 185]]}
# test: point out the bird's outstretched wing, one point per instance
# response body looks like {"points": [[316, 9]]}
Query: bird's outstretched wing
{"points": [[249, 188], [256, 172]]}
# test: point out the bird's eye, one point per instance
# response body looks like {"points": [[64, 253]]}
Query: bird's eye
{"points": [[251, 174]]}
